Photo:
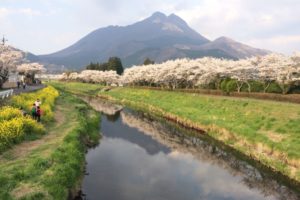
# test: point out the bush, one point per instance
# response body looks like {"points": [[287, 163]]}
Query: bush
{"points": [[11, 131], [228, 85], [256, 86], [31, 127], [231, 86], [8, 113], [274, 88], [14, 130], [223, 84]]}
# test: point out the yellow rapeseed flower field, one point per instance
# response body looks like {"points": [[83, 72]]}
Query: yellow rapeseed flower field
{"points": [[47, 96]]}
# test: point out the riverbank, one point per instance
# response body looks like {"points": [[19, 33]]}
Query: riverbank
{"points": [[52, 166], [266, 131], [292, 98]]}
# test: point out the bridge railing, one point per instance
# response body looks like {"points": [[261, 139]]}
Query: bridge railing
{"points": [[6, 93]]}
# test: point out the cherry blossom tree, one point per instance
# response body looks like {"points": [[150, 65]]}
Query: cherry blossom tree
{"points": [[9, 58], [93, 76], [195, 73]]}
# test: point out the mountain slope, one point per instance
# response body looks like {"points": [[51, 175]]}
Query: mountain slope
{"points": [[158, 37], [233, 48]]}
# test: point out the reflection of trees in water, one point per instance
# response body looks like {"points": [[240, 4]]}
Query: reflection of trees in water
{"points": [[114, 117], [102, 105], [177, 140]]}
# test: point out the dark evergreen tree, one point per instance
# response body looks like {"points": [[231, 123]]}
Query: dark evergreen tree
{"points": [[115, 64], [147, 61]]}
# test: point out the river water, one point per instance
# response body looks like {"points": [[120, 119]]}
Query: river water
{"points": [[140, 158]]}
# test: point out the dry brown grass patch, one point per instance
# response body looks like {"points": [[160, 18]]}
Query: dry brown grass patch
{"points": [[26, 189], [273, 136]]}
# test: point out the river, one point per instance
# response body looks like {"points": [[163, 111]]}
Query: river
{"points": [[140, 158]]}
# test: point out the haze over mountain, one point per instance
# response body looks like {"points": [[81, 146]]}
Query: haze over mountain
{"points": [[158, 37]]}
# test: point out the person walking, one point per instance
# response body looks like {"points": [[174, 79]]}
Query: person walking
{"points": [[38, 114], [33, 111], [24, 85], [18, 84], [37, 102]]}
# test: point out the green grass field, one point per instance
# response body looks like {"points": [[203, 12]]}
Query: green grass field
{"points": [[265, 130], [51, 166], [80, 88]]}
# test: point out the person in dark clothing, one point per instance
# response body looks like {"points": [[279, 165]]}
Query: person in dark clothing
{"points": [[18, 84], [38, 114], [24, 85], [33, 111]]}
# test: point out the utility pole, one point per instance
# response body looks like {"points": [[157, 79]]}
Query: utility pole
{"points": [[4, 40]]}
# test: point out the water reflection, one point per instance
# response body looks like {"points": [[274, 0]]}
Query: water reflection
{"points": [[140, 158], [113, 118], [118, 129], [106, 107]]}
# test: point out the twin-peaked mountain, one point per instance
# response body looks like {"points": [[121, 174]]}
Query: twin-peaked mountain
{"points": [[158, 37]]}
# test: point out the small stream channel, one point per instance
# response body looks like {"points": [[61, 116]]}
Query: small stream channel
{"points": [[140, 158]]}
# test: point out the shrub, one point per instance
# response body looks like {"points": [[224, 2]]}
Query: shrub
{"points": [[223, 84], [231, 86], [274, 88], [7, 113], [14, 130], [228, 85], [31, 127], [256, 86], [11, 131]]}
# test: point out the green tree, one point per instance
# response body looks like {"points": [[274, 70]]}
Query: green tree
{"points": [[147, 61], [115, 64]]}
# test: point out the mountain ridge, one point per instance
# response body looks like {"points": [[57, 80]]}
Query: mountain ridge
{"points": [[159, 37]]}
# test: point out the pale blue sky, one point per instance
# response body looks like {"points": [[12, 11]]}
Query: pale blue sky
{"points": [[46, 26]]}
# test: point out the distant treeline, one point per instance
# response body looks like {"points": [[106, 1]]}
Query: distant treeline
{"points": [[113, 63]]}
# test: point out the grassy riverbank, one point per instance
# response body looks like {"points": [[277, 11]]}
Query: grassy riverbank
{"points": [[264, 130], [51, 166]]}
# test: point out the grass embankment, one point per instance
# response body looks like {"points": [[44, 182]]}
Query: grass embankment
{"points": [[48, 168], [264, 130], [79, 88], [292, 98]]}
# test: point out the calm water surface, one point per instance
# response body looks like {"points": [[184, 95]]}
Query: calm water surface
{"points": [[142, 159]]}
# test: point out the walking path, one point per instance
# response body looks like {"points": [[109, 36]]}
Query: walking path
{"points": [[23, 149], [29, 88], [17, 91]]}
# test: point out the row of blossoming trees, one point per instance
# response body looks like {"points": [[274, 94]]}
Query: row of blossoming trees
{"points": [[13, 61], [270, 73]]}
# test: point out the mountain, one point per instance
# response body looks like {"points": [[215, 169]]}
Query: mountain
{"points": [[233, 48], [158, 37]]}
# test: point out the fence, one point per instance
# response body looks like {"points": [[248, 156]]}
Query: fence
{"points": [[6, 93]]}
